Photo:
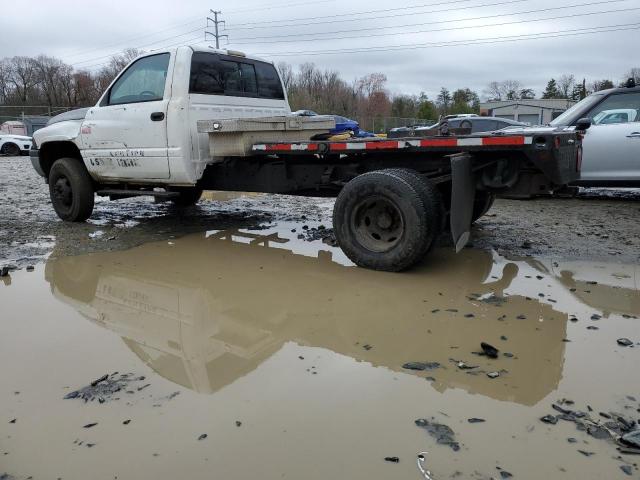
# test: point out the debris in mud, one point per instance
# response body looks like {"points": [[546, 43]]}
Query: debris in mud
{"points": [[238, 423], [318, 233], [90, 425], [632, 439], [203, 436], [420, 366], [549, 419], [627, 469], [493, 374], [392, 459], [624, 342], [489, 350], [504, 474], [586, 453], [13, 421], [104, 388], [463, 366], [126, 422], [442, 433], [476, 420]]}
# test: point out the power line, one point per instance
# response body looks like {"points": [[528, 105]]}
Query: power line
{"points": [[280, 5], [180, 43], [504, 2], [420, 24], [515, 22], [342, 15], [127, 39], [455, 43], [139, 47]]}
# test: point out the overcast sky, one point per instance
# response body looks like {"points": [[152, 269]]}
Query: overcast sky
{"points": [[297, 31]]}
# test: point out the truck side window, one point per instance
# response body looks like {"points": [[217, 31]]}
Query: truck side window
{"points": [[269, 85], [212, 75], [143, 81], [617, 108]]}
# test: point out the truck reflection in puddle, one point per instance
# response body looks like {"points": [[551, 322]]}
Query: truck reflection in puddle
{"points": [[205, 310]]}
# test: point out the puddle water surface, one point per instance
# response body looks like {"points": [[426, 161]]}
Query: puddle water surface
{"points": [[291, 362]]}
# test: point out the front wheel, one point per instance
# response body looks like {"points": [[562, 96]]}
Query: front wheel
{"points": [[384, 221], [71, 190]]}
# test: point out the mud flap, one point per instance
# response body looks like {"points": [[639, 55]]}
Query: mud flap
{"points": [[463, 191]]}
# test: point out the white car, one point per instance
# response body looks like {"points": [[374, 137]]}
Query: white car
{"points": [[611, 146], [14, 145]]}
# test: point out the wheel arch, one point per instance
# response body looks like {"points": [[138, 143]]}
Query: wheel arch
{"points": [[52, 151]]}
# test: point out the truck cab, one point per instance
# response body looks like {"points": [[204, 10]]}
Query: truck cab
{"points": [[143, 130]]}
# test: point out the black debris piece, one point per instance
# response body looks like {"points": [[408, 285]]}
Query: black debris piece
{"points": [[549, 419], [585, 453], [238, 423], [90, 425], [624, 342], [392, 459], [505, 474], [489, 350], [420, 366], [13, 421], [442, 433], [203, 436], [476, 420], [126, 422]]}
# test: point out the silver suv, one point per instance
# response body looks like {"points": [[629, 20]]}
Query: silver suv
{"points": [[611, 146]]}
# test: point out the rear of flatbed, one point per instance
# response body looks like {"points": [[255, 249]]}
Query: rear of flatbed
{"points": [[394, 197]]}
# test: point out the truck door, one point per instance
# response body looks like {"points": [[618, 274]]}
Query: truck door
{"points": [[611, 146], [125, 136]]}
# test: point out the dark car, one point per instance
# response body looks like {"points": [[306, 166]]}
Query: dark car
{"points": [[479, 124]]}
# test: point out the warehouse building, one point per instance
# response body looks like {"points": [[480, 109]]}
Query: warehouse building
{"points": [[532, 111]]}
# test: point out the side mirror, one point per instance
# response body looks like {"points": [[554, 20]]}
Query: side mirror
{"points": [[583, 124]]}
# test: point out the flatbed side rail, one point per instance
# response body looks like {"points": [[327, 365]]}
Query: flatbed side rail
{"points": [[392, 145]]}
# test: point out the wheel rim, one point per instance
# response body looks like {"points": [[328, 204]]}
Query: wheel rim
{"points": [[378, 224], [63, 193], [11, 150]]}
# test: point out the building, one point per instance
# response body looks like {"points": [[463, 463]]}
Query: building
{"points": [[532, 111]]}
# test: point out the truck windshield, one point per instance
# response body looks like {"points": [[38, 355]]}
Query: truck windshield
{"points": [[583, 106], [143, 81]]}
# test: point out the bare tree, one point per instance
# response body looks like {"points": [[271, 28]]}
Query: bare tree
{"points": [[565, 85]]}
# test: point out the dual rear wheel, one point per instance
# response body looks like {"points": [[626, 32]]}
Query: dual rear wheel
{"points": [[390, 219]]}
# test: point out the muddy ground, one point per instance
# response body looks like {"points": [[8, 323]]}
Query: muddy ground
{"points": [[234, 340], [600, 223]]}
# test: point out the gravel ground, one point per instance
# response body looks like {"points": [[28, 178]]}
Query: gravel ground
{"points": [[598, 224]]}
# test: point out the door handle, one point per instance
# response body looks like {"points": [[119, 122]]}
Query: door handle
{"points": [[634, 135], [157, 116]]}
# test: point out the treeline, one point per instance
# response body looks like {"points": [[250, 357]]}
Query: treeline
{"points": [[48, 81], [44, 80]]}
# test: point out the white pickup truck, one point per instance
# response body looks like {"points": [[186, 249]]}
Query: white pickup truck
{"points": [[155, 131]]}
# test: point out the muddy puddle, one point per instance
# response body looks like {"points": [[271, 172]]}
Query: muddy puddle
{"points": [[240, 354]]}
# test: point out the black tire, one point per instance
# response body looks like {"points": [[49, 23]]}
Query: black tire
{"points": [[71, 190], [383, 220], [188, 196], [482, 204], [11, 149], [430, 196]]}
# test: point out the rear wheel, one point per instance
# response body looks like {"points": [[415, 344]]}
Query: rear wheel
{"points": [[10, 149], [384, 220], [188, 196], [482, 204], [71, 190]]}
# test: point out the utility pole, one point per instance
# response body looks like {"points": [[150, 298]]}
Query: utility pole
{"points": [[216, 24]]}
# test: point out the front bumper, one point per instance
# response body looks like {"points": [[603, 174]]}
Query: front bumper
{"points": [[34, 154]]}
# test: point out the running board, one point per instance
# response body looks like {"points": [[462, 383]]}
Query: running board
{"points": [[115, 194]]}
